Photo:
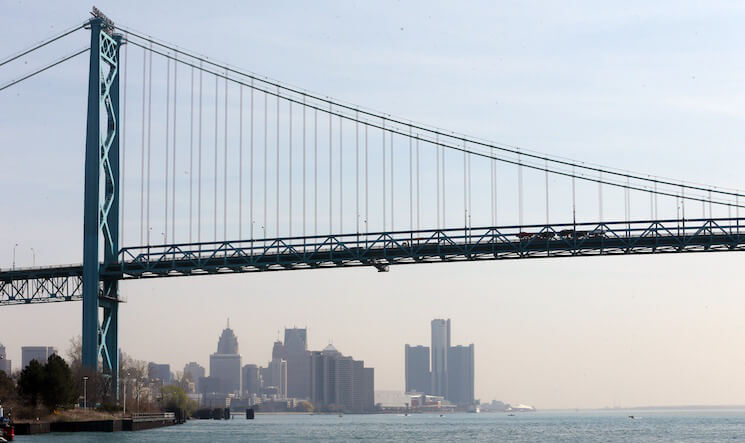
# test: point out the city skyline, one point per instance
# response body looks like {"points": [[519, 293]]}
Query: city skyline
{"points": [[637, 86]]}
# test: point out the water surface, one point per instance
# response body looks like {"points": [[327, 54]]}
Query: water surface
{"points": [[608, 426]]}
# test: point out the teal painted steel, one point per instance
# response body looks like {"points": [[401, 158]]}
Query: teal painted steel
{"points": [[91, 203], [101, 215]]}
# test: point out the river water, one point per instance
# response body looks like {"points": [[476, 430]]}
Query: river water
{"points": [[607, 426]]}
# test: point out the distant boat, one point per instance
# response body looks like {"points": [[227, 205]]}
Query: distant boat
{"points": [[474, 409]]}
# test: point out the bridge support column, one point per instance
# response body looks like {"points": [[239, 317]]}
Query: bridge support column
{"points": [[101, 216]]}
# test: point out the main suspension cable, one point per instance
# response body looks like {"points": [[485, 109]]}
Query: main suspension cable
{"points": [[434, 131], [44, 68], [44, 43], [486, 155]]}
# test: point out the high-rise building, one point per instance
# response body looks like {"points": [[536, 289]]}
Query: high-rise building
{"points": [[251, 380], [278, 372], [298, 362], [417, 369], [340, 383], [225, 364], [38, 353], [228, 342], [440, 346], [5, 364], [158, 371], [451, 374], [275, 374], [195, 371], [461, 375]]}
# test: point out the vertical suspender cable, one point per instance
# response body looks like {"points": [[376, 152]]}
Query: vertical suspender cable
{"points": [[496, 194], [491, 189], [628, 207], [574, 199], [393, 226], [437, 173], [519, 191], [173, 158], [277, 176], [142, 151], [444, 187], [315, 171], [384, 176], [240, 162], [465, 189], [251, 165], [341, 183], [149, 132], [470, 207], [331, 169], [304, 168], [547, 207], [357, 170], [710, 213], [266, 154], [123, 127], [225, 166], [628, 199], [655, 201], [191, 158], [199, 162], [289, 144], [367, 199], [217, 94], [600, 197], [418, 219], [168, 121], [411, 181]]}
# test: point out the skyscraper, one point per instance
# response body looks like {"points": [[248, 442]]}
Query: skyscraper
{"points": [[38, 353], [275, 374], [159, 371], [417, 369], [461, 375], [195, 372], [225, 364], [5, 365], [440, 346], [251, 380], [341, 383], [298, 362]]}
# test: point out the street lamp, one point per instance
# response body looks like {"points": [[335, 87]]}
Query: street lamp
{"points": [[33, 254], [85, 392], [14, 255]]}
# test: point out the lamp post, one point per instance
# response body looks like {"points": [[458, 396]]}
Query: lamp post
{"points": [[33, 255], [85, 392], [14, 255]]}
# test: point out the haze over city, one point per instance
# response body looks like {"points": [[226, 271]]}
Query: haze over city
{"points": [[649, 88]]}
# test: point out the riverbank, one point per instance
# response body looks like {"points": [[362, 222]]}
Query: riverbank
{"points": [[137, 422]]}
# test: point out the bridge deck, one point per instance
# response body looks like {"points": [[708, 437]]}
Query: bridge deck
{"points": [[384, 249]]}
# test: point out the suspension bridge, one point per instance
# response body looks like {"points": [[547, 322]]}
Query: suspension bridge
{"points": [[196, 167]]}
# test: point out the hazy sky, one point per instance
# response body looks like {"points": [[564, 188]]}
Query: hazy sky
{"points": [[657, 88]]}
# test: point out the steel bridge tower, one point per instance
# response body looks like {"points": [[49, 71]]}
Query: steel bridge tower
{"points": [[101, 202]]}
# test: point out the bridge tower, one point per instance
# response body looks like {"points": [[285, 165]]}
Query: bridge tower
{"points": [[101, 215]]}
